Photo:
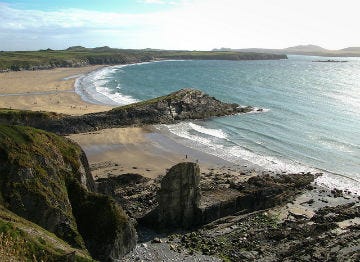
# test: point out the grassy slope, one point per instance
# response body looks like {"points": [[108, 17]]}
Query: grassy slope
{"points": [[105, 55], [53, 182], [21, 240]]}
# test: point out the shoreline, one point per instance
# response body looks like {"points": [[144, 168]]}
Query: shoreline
{"points": [[144, 151], [46, 90], [62, 100]]}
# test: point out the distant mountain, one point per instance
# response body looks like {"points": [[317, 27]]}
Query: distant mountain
{"points": [[300, 50], [351, 49], [306, 48], [76, 48]]}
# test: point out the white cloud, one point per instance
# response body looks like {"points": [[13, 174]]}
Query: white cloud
{"points": [[197, 24], [153, 1]]}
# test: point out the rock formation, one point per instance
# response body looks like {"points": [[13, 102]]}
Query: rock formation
{"points": [[184, 104], [46, 179], [179, 196], [182, 205]]}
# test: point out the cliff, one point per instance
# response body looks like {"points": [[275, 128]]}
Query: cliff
{"points": [[22, 240], [184, 104], [46, 179], [80, 56]]}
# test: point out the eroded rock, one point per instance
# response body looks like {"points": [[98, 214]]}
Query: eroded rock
{"points": [[179, 196]]}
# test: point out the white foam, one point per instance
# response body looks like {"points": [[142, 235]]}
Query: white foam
{"points": [[336, 181], [258, 110], [92, 88], [237, 154], [208, 131]]}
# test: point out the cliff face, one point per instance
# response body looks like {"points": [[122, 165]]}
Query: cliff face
{"points": [[179, 196], [46, 179], [184, 104]]}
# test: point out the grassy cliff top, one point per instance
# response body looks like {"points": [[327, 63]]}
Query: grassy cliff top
{"points": [[177, 95], [78, 56], [45, 178], [22, 240]]}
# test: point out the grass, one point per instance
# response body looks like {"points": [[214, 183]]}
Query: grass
{"points": [[40, 180], [14, 114], [78, 56], [46, 160], [148, 102], [21, 240]]}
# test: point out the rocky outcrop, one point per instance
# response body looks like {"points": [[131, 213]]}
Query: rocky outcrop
{"points": [[182, 205], [184, 104], [46, 179], [178, 198], [257, 193], [262, 236]]}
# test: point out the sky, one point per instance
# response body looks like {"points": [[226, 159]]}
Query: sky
{"points": [[178, 24]]}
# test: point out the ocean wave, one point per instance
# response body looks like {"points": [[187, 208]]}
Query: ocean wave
{"points": [[333, 180], [258, 110], [92, 88], [236, 153], [208, 131]]}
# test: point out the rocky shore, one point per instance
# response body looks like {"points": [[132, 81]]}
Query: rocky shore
{"points": [[286, 218], [184, 104], [52, 208]]}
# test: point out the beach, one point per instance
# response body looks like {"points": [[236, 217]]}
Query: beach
{"points": [[151, 150], [111, 152], [46, 90], [141, 150]]}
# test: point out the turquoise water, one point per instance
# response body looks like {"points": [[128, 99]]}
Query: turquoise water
{"points": [[311, 120]]}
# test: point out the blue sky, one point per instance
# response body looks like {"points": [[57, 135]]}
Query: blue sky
{"points": [[126, 6], [178, 24]]}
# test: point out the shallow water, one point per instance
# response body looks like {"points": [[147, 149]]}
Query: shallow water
{"points": [[311, 121]]}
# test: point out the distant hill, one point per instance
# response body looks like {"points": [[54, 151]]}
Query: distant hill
{"points": [[351, 49], [306, 48], [300, 50], [76, 56]]}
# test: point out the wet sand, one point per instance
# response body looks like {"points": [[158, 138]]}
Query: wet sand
{"points": [[141, 150]]}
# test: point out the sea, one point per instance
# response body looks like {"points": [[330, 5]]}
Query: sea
{"points": [[310, 120]]}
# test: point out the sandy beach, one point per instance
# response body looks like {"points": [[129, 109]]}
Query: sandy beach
{"points": [[46, 90], [110, 152], [141, 150]]}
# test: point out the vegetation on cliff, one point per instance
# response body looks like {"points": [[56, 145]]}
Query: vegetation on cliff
{"points": [[21, 240], [46, 179], [81, 56], [180, 105]]}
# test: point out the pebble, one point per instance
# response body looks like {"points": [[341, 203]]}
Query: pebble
{"points": [[157, 240]]}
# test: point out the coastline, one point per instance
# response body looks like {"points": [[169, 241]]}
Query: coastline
{"points": [[46, 90], [145, 151], [34, 90], [150, 151]]}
